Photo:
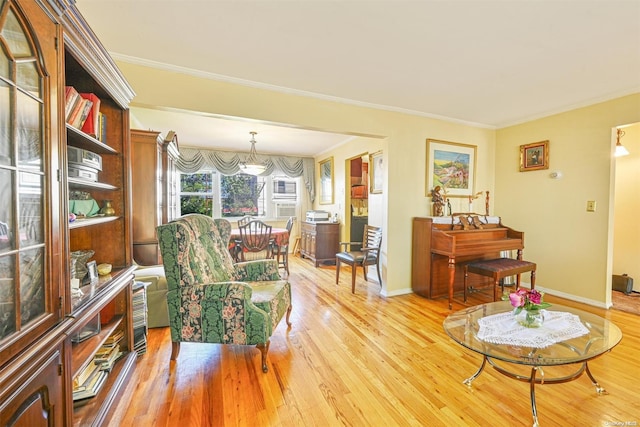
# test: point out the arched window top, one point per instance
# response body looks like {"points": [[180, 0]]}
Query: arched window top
{"points": [[19, 63]]}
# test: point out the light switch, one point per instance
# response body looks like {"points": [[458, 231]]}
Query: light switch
{"points": [[591, 206]]}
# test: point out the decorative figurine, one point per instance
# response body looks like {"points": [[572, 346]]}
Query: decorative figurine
{"points": [[438, 201]]}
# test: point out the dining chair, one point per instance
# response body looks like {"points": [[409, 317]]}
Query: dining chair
{"points": [[369, 254], [237, 243], [282, 250], [256, 241]]}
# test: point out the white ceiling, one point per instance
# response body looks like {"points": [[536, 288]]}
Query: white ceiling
{"points": [[489, 63]]}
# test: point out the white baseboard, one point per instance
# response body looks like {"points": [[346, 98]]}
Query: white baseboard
{"points": [[396, 292], [553, 292]]}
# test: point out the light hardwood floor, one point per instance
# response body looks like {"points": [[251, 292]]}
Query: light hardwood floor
{"points": [[366, 360]]}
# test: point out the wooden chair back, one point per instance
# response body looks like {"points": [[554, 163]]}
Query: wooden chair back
{"points": [[256, 240], [371, 241]]}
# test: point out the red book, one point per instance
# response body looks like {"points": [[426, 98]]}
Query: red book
{"points": [[90, 126]]}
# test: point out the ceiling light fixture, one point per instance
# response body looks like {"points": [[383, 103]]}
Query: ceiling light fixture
{"points": [[620, 150], [251, 165]]}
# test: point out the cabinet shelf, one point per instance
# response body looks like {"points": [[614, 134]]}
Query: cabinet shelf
{"points": [[87, 222], [82, 353], [94, 411], [79, 139], [82, 183], [96, 289]]}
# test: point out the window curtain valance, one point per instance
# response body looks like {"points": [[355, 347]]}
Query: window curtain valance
{"points": [[192, 160]]}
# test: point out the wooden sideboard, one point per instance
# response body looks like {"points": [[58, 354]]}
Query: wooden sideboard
{"points": [[319, 241]]}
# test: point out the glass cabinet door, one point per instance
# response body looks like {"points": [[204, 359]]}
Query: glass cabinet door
{"points": [[25, 299]]}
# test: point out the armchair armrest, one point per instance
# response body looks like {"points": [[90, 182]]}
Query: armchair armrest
{"points": [[257, 271]]}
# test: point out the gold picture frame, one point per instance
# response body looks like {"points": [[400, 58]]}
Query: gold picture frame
{"points": [[326, 181], [534, 156], [376, 174], [452, 167]]}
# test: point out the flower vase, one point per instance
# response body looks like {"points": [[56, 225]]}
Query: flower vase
{"points": [[529, 318]]}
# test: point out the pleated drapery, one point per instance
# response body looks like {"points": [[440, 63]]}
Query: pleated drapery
{"points": [[192, 160]]}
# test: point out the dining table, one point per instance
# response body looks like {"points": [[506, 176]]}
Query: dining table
{"points": [[280, 237]]}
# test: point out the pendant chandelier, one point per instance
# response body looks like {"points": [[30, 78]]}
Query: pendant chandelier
{"points": [[252, 165]]}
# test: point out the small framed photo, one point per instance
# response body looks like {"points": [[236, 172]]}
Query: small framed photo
{"points": [[92, 266], [377, 173], [534, 156]]}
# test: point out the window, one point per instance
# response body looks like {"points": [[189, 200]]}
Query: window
{"points": [[233, 196], [241, 195], [196, 193], [284, 188]]}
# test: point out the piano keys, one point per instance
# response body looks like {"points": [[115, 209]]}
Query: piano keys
{"points": [[441, 246]]}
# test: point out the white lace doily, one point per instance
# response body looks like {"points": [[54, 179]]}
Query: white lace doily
{"points": [[503, 328]]}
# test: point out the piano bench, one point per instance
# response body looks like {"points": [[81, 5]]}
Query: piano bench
{"points": [[498, 269]]}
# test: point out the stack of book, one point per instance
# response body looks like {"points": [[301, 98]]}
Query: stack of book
{"points": [[82, 111], [108, 354], [140, 317], [88, 382]]}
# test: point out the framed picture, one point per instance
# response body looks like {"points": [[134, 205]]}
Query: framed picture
{"points": [[376, 173], [534, 156], [326, 181], [452, 166], [93, 270]]}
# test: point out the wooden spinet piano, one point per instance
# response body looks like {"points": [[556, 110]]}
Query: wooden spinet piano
{"points": [[441, 247]]}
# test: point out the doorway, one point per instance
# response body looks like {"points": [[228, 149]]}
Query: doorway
{"points": [[626, 229], [358, 197]]}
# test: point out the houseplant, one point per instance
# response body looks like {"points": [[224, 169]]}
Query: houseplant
{"points": [[528, 305]]}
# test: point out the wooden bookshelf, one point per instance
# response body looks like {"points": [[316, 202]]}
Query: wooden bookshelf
{"points": [[38, 358]]}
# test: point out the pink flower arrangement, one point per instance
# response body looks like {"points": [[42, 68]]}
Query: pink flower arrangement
{"points": [[528, 300]]}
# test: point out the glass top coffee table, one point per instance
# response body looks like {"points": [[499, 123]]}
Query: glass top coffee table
{"points": [[600, 336]]}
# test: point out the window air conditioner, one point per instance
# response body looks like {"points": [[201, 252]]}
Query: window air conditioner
{"points": [[285, 210]]}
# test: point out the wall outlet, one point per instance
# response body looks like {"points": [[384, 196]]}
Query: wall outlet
{"points": [[591, 206]]}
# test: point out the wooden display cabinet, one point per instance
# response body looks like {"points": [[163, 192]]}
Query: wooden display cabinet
{"points": [[153, 177], [319, 241], [55, 48]]}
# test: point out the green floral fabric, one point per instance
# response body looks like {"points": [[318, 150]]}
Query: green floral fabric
{"points": [[210, 298]]}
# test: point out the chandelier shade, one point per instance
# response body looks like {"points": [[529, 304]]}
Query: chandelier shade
{"points": [[251, 165]]}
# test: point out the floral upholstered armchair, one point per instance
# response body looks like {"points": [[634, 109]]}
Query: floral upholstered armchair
{"points": [[213, 300]]}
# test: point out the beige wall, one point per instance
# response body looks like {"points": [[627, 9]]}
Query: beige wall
{"points": [[626, 237], [401, 137], [571, 246]]}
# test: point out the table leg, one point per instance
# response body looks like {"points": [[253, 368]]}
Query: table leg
{"points": [[534, 411], [599, 388], [469, 380]]}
